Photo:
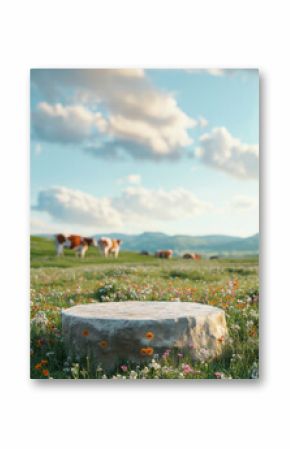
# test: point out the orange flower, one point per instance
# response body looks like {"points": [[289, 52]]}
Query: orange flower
{"points": [[149, 335], [146, 351], [253, 332], [221, 339], [150, 351], [85, 332], [44, 362], [103, 344], [45, 372], [38, 366]]}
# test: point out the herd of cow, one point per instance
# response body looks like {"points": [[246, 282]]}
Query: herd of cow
{"points": [[106, 245]]}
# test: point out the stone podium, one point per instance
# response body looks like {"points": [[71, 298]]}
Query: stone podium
{"points": [[135, 331]]}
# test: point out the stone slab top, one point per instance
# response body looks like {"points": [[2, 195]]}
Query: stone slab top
{"points": [[140, 310]]}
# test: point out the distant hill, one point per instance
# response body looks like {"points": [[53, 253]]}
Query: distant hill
{"points": [[207, 244]]}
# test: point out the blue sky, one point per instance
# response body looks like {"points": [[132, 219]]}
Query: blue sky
{"points": [[138, 150]]}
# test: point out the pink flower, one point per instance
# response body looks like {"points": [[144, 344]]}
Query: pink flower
{"points": [[180, 355], [166, 354], [186, 369], [218, 375], [124, 368]]}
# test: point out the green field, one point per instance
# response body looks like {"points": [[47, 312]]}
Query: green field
{"points": [[58, 283]]}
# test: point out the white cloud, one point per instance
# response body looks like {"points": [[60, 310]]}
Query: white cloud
{"points": [[138, 114], [211, 71], [176, 204], [202, 122], [74, 206], [242, 203], [66, 123], [219, 149], [218, 72], [130, 179], [135, 203]]}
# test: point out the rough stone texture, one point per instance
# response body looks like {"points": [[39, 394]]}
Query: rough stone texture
{"points": [[119, 331]]}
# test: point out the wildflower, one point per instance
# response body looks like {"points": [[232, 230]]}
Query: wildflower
{"points": [[146, 351], [219, 375], [44, 362], [124, 368], [133, 375], [45, 372], [103, 344], [85, 332], [150, 351], [154, 365], [186, 368], [40, 320], [204, 354], [149, 335], [166, 354], [180, 355], [253, 332], [38, 366], [221, 339]]}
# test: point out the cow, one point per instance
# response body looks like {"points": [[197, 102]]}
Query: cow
{"points": [[193, 256], [109, 246], [144, 253], [81, 250], [213, 257], [188, 256], [76, 242], [164, 254]]}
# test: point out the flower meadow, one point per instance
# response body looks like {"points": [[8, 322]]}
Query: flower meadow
{"points": [[59, 283]]}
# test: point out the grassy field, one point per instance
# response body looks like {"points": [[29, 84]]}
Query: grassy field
{"points": [[58, 283]]}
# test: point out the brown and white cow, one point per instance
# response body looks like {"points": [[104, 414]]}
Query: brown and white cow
{"points": [[164, 254], [193, 256], [76, 242], [109, 246]]}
